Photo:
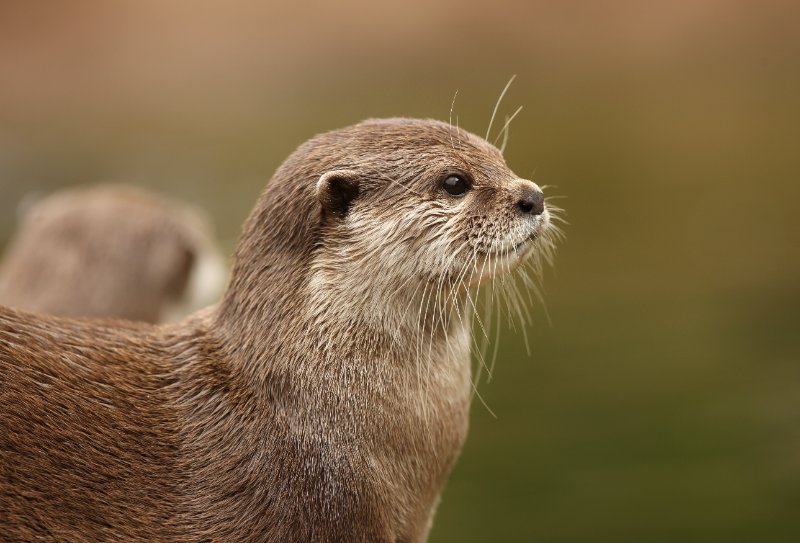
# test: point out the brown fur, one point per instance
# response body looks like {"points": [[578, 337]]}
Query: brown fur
{"points": [[106, 251], [326, 397]]}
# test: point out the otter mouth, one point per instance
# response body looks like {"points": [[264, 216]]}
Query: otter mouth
{"points": [[509, 256], [517, 249], [521, 249], [530, 239]]}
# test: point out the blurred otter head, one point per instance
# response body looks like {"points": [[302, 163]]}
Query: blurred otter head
{"points": [[111, 251]]}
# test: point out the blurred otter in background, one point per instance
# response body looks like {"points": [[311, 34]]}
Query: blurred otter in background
{"points": [[112, 251]]}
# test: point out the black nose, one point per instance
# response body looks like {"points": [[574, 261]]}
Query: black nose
{"points": [[531, 202]]}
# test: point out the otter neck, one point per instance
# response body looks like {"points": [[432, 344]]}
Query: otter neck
{"points": [[323, 322]]}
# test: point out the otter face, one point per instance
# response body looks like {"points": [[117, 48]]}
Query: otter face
{"points": [[424, 200], [500, 219]]}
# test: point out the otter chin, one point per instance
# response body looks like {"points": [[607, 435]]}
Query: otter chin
{"points": [[510, 255], [325, 398]]}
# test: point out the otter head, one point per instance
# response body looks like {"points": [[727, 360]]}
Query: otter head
{"points": [[421, 204], [376, 213]]}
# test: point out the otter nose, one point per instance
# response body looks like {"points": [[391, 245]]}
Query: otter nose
{"points": [[531, 201]]}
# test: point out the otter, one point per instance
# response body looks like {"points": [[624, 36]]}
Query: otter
{"points": [[112, 251], [324, 399]]}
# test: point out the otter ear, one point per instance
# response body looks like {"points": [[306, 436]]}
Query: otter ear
{"points": [[336, 190]]}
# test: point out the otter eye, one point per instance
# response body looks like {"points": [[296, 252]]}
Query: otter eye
{"points": [[455, 185]]}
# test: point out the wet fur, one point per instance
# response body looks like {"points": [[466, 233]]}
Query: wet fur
{"points": [[326, 398]]}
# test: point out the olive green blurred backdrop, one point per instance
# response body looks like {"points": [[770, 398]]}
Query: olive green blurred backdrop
{"points": [[663, 403]]}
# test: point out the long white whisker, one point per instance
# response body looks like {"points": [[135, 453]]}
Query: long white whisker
{"points": [[497, 105], [450, 123], [508, 122], [505, 133]]}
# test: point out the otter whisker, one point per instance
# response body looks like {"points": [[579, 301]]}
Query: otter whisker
{"points": [[505, 137], [477, 394], [454, 255], [481, 362], [395, 182], [521, 308], [482, 347], [497, 105], [472, 303], [474, 311], [504, 289], [505, 126], [479, 349], [496, 298], [490, 298], [496, 348], [555, 211], [522, 273], [435, 316], [450, 123], [487, 318], [402, 286], [539, 295], [460, 281], [423, 316], [507, 303], [498, 289]]}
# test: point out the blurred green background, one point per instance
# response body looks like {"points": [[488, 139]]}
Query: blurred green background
{"points": [[663, 403]]}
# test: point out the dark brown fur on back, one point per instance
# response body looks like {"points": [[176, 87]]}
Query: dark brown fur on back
{"points": [[323, 400]]}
